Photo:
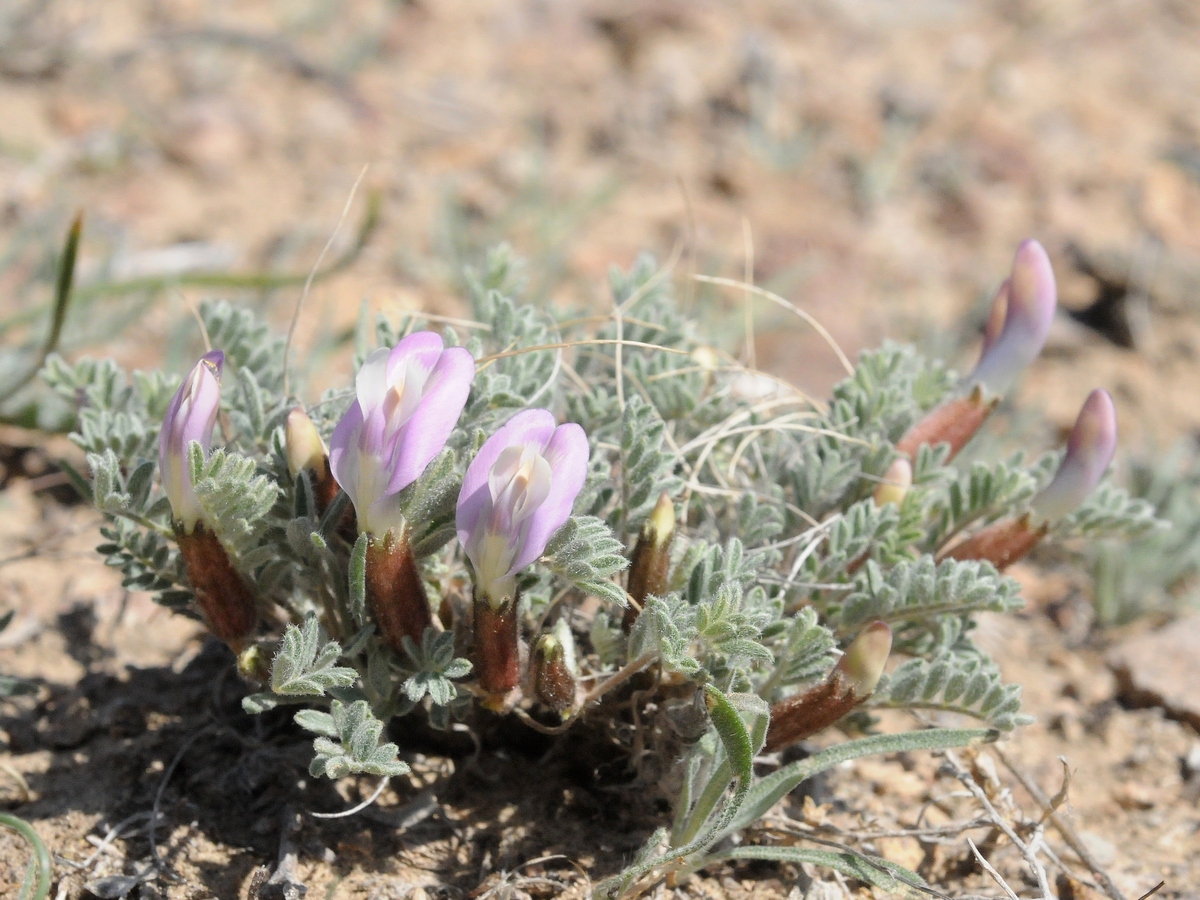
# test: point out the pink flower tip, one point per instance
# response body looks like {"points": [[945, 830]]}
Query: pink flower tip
{"points": [[190, 416], [1090, 451], [1030, 301], [407, 402]]}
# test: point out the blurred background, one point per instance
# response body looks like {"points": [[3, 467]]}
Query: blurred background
{"points": [[874, 162]]}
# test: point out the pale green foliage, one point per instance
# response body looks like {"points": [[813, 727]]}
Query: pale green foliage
{"points": [[780, 558], [961, 681], [915, 592], [235, 498], [1156, 570], [585, 553], [349, 742], [304, 666], [435, 668]]}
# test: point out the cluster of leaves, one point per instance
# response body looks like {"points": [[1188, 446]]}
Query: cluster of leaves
{"points": [[782, 554]]}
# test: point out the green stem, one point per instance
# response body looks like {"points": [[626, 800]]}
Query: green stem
{"points": [[39, 865]]}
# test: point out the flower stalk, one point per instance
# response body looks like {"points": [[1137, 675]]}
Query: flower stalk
{"points": [[407, 401], [190, 416], [225, 600]]}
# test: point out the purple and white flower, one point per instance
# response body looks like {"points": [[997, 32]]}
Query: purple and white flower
{"points": [[190, 417], [517, 492], [1029, 297], [408, 401]]}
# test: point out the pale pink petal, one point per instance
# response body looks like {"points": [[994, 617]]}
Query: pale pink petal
{"points": [[424, 435], [530, 426], [567, 453]]}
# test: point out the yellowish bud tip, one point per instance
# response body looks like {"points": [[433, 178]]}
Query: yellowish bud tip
{"points": [[862, 665], [547, 647], [660, 527], [896, 482], [253, 663], [706, 357], [305, 449]]}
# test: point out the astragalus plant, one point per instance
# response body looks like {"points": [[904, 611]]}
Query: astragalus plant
{"points": [[601, 523]]}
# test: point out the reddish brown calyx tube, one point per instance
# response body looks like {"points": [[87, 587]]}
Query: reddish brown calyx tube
{"points": [[851, 682], [955, 422], [222, 594], [396, 597], [651, 562], [497, 655], [553, 681], [1001, 543]]}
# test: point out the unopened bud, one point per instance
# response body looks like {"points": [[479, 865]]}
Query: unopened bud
{"points": [[706, 357], [1017, 329], [221, 593], [1090, 450], [553, 669], [651, 563], [895, 484], [862, 665], [305, 449], [396, 595], [254, 664], [848, 685], [1029, 309]]}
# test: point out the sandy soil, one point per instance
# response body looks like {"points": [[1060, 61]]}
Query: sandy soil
{"points": [[876, 163]]}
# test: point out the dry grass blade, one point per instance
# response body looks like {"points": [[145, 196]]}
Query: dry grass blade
{"points": [[790, 307]]}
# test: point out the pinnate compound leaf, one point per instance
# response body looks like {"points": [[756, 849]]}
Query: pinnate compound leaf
{"points": [[304, 666], [354, 749]]}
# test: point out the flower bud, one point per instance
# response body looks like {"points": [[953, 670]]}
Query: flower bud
{"points": [[306, 453], [1029, 309], [305, 449], [851, 682], [1090, 450], [651, 561], [1017, 330], [396, 597], [895, 484], [552, 666], [862, 664], [190, 416], [254, 664]]}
